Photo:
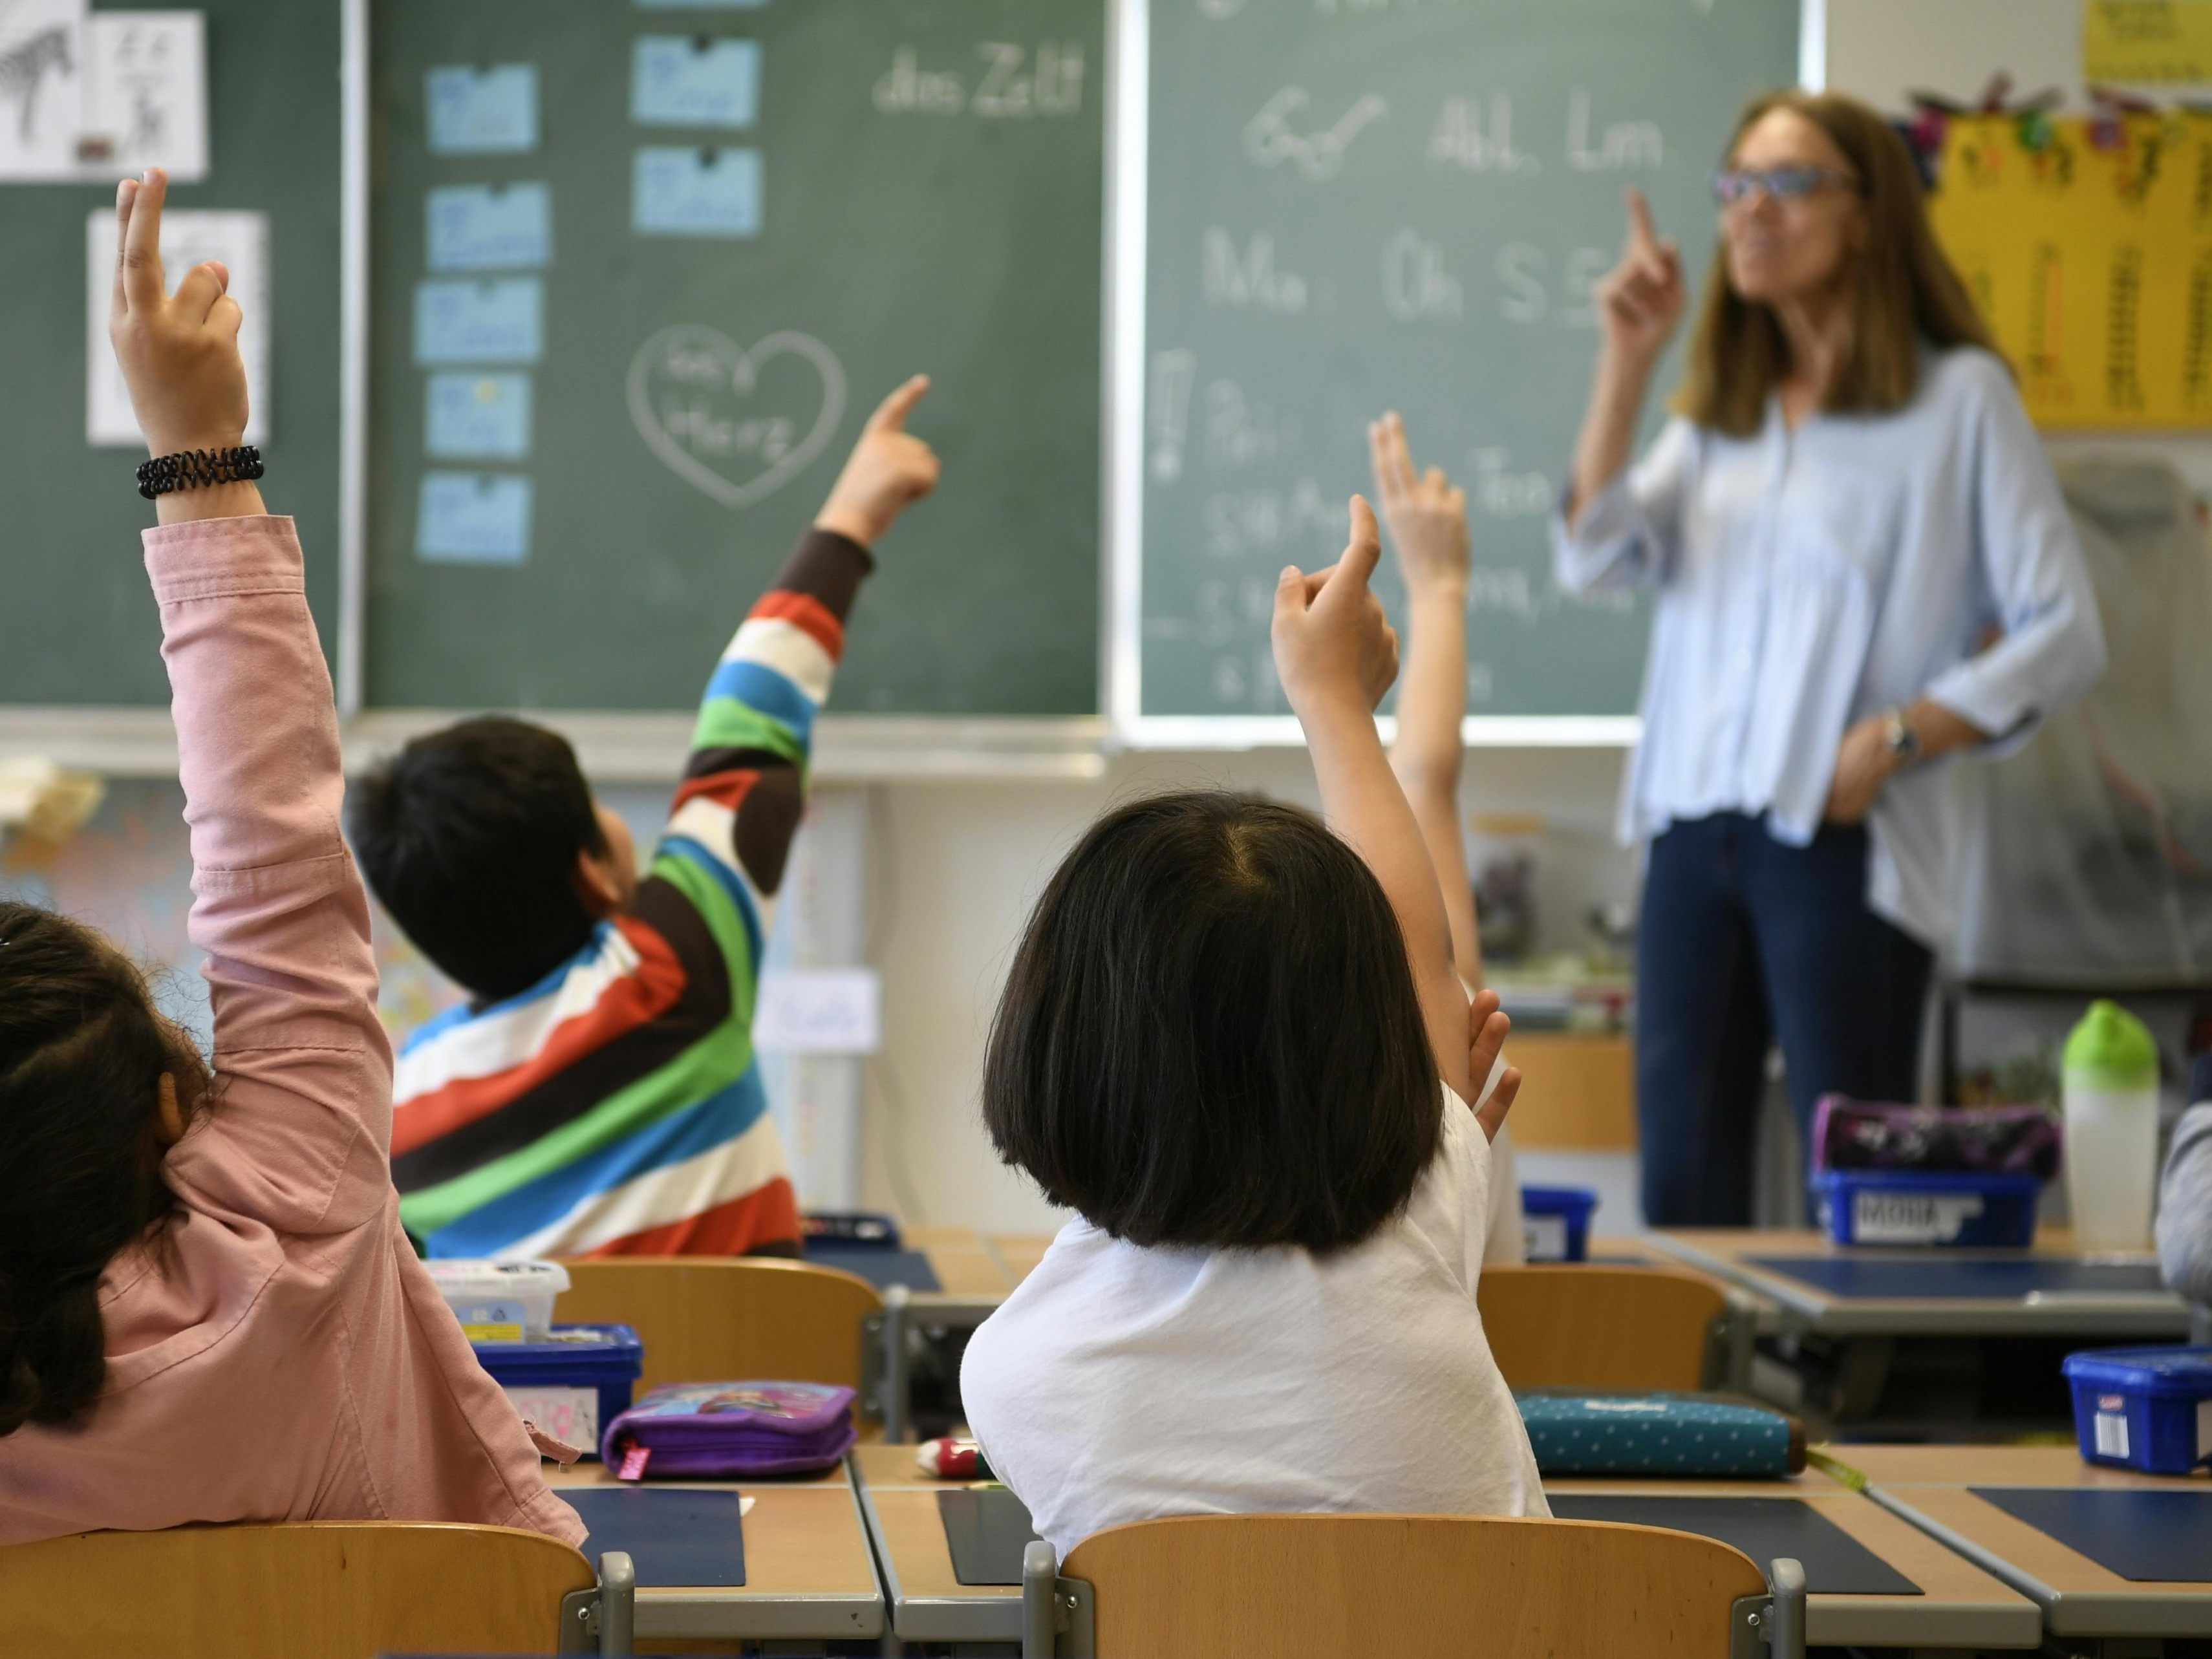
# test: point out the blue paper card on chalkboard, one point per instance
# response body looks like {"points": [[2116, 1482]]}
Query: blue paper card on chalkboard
{"points": [[687, 80], [482, 111], [477, 417], [687, 192], [488, 226], [462, 321], [473, 517]]}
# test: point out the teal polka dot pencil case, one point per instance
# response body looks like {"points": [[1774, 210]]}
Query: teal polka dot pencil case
{"points": [[1594, 1432]]}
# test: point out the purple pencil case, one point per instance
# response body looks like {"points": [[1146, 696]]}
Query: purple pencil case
{"points": [[1860, 1134], [722, 1430]]}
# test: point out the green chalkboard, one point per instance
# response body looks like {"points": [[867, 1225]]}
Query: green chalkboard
{"points": [[931, 179], [1356, 205], [80, 627]]}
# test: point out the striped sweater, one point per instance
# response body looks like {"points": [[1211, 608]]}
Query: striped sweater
{"points": [[616, 1107]]}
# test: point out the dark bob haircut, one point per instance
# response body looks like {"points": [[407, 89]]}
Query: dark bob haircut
{"points": [[1210, 1035], [469, 837]]}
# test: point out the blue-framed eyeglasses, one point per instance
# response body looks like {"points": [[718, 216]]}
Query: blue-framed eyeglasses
{"points": [[1784, 184]]}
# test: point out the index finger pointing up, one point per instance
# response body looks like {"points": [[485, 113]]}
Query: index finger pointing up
{"points": [[1364, 551], [891, 414], [1642, 236], [141, 242]]}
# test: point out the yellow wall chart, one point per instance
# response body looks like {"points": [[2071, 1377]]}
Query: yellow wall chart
{"points": [[2088, 247]]}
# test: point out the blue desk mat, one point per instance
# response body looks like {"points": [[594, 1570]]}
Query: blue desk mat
{"points": [[1764, 1529], [1923, 1277], [987, 1531], [880, 1267], [681, 1536], [2142, 1536]]}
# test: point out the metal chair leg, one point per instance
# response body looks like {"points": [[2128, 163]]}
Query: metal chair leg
{"points": [[617, 1606], [1785, 1628], [1040, 1582]]}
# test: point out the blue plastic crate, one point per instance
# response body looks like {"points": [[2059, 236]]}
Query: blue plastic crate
{"points": [[1962, 1209], [1555, 1222], [574, 1385], [2143, 1408]]}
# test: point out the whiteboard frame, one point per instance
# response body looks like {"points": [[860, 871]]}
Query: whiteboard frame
{"points": [[1128, 139]]}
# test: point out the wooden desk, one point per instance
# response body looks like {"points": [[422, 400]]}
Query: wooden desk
{"points": [[1962, 1607], [2140, 1315], [809, 1573], [925, 1602], [1017, 1252], [965, 1266], [1929, 1487]]}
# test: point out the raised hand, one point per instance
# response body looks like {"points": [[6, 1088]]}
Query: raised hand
{"points": [[1640, 298], [1426, 512], [1486, 1033], [889, 469], [1331, 639], [178, 353]]}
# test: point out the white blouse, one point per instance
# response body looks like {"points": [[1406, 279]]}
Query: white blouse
{"points": [[1808, 578]]}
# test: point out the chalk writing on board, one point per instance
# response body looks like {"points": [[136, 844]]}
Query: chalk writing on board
{"points": [[1173, 373], [1503, 492], [1305, 516], [735, 423], [1524, 273], [1246, 277], [1271, 138], [1241, 432], [1465, 136], [1011, 82], [1418, 282], [1621, 146]]}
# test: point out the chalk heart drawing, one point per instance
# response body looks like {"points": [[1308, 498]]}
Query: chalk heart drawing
{"points": [[732, 420]]}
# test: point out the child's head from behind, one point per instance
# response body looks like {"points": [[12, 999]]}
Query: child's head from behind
{"points": [[484, 843], [1210, 1036], [94, 1086]]}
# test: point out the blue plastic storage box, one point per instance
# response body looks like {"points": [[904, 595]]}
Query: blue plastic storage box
{"points": [[1963, 1208], [1555, 1222], [2143, 1408], [573, 1385]]}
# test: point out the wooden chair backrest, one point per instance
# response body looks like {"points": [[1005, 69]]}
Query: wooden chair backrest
{"points": [[721, 1319], [1584, 1326], [302, 1589], [1412, 1586]]}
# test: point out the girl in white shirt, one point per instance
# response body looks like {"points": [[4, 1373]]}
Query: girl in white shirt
{"points": [[1235, 1043]]}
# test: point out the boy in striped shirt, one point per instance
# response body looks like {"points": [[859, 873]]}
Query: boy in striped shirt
{"points": [[598, 1093]]}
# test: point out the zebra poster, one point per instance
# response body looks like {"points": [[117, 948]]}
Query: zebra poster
{"points": [[42, 76]]}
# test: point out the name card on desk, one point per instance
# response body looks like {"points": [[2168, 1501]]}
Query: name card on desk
{"points": [[819, 1010]]}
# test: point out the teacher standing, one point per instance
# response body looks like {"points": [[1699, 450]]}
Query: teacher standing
{"points": [[1862, 563]]}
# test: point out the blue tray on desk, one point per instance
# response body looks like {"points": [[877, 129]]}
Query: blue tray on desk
{"points": [[684, 1536], [1945, 1277], [880, 1267], [2143, 1536]]}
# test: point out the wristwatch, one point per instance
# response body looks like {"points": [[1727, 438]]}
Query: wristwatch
{"points": [[1904, 742]]}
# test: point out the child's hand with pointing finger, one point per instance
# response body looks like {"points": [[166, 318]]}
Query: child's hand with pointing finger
{"points": [[1331, 638], [889, 469]]}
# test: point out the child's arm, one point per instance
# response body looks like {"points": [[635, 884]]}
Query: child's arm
{"points": [[745, 785], [1427, 517], [1336, 656], [296, 1137]]}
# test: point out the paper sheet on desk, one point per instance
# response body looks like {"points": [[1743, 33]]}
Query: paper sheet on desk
{"points": [[482, 111], [189, 237]]}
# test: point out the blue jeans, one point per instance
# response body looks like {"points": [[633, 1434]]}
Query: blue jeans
{"points": [[1743, 939]]}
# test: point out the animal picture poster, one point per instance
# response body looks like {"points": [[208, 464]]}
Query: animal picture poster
{"points": [[2087, 246], [42, 76]]}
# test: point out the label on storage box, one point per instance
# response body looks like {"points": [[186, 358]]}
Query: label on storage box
{"points": [[1902, 1218], [1546, 1237], [2110, 1425], [570, 1414], [2204, 1428]]}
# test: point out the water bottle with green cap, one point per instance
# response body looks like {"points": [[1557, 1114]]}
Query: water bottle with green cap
{"points": [[2110, 1089]]}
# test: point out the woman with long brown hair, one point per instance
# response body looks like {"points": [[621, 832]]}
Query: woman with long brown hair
{"points": [[1862, 563]]}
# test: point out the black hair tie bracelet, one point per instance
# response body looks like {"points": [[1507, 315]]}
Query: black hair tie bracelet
{"points": [[197, 469]]}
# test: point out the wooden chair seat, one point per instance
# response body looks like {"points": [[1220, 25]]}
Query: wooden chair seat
{"points": [[1412, 1586], [310, 1590]]}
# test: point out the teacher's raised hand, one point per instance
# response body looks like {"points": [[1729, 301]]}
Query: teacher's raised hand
{"points": [[1642, 297]]}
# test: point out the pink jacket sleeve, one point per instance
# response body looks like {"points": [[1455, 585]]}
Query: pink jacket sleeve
{"points": [[298, 1136]]}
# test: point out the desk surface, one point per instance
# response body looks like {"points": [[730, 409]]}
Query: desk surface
{"points": [[809, 1574], [1961, 1606], [1742, 1256], [1928, 1486]]}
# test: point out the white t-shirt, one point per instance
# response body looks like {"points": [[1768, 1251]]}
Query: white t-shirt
{"points": [[1121, 1383]]}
